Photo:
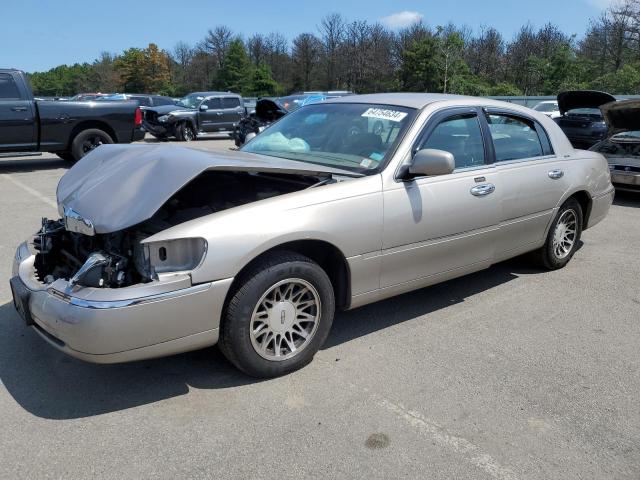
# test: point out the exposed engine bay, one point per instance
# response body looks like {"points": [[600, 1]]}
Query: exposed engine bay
{"points": [[119, 259]]}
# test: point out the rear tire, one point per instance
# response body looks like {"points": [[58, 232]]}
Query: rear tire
{"points": [[563, 237], [88, 140], [278, 317], [185, 132]]}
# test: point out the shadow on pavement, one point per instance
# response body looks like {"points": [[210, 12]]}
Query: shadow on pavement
{"points": [[32, 164], [52, 385], [627, 199]]}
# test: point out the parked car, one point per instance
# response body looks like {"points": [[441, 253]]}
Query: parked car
{"points": [[69, 129], [173, 249], [265, 112], [87, 97], [297, 100], [581, 119], [197, 113], [144, 99], [622, 145], [549, 108]]}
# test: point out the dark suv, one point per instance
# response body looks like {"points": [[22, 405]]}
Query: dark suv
{"points": [[195, 114]]}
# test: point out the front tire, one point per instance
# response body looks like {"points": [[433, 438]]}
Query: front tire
{"points": [[279, 316], [88, 140], [563, 237], [185, 132]]}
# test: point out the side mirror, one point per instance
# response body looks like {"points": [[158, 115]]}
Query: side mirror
{"points": [[430, 162], [203, 108]]}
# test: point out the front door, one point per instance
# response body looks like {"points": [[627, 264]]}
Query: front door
{"points": [[443, 223], [211, 119], [232, 112]]}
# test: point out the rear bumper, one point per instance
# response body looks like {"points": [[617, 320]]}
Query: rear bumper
{"points": [[600, 206], [111, 326], [625, 180], [138, 134]]}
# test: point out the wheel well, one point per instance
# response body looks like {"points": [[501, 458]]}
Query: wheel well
{"points": [[326, 255], [91, 124], [584, 199]]}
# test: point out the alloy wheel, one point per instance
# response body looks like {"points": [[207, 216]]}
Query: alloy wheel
{"points": [[285, 319], [564, 236]]}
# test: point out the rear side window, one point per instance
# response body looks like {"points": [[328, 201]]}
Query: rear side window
{"points": [[8, 87], [162, 101], [213, 103], [461, 136], [143, 101], [230, 102], [515, 138]]}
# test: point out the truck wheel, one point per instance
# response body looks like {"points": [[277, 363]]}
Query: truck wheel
{"points": [[66, 156], [279, 316], [185, 132], [87, 140]]}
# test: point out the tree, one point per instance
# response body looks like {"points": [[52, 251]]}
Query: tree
{"points": [[306, 60], [235, 73], [262, 83], [143, 70], [420, 68]]}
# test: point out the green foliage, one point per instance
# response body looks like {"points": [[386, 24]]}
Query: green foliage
{"points": [[625, 81], [143, 70], [262, 83], [235, 72], [419, 69]]}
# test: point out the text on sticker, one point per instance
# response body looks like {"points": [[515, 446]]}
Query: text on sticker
{"points": [[384, 114]]}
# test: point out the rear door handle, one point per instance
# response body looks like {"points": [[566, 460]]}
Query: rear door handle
{"points": [[218, 113], [483, 190], [556, 174], [19, 109]]}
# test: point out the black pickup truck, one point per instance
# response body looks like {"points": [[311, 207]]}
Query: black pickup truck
{"points": [[68, 129]]}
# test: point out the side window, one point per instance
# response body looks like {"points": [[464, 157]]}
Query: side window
{"points": [[213, 103], [8, 87], [162, 101], [514, 138], [142, 101], [460, 135], [230, 102]]}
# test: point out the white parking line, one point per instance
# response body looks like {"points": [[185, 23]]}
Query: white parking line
{"points": [[30, 190], [460, 445]]}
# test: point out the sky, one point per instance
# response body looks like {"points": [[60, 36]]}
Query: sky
{"points": [[41, 34]]}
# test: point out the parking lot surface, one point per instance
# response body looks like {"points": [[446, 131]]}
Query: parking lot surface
{"points": [[510, 373]]}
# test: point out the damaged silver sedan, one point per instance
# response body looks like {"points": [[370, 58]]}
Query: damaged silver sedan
{"points": [[160, 250]]}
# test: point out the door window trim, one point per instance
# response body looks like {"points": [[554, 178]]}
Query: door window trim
{"points": [[545, 141]]}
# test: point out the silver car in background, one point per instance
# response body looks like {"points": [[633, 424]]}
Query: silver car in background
{"points": [[161, 250]]}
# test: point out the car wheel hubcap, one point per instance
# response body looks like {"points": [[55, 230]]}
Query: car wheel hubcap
{"points": [[564, 236], [285, 319], [91, 143], [188, 134]]}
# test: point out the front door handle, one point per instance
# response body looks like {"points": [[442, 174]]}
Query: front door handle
{"points": [[19, 109], [556, 174], [218, 113], [483, 190]]}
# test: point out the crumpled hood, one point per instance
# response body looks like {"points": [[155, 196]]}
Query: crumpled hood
{"points": [[582, 99], [118, 186], [623, 116]]}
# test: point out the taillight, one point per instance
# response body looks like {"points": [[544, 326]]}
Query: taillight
{"points": [[137, 119]]}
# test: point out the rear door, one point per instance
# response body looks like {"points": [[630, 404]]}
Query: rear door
{"points": [[531, 177], [232, 111], [17, 116]]}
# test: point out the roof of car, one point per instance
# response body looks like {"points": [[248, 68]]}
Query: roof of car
{"points": [[410, 100], [205, 94]]}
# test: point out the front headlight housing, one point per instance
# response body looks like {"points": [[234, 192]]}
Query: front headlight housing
{"points": [[164, 118], [170, 256]]}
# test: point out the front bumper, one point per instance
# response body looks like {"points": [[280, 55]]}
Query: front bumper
{"points": [[125, 324], [158, 130]]}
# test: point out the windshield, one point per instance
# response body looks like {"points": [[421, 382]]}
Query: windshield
{"points": [[190, 101], [594, 112], [546, 107], [355, 137]]}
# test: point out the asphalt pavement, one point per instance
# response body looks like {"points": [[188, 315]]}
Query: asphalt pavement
{"points": [[509, 373]]}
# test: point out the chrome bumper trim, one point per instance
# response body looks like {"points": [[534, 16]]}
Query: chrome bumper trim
{"points": [[105, 305]]}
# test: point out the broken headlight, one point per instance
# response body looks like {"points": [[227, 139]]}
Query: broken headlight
{"points": [[171, 256], [164, 118]]}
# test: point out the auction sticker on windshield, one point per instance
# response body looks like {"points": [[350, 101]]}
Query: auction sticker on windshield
{"points": [[384, 114]]}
